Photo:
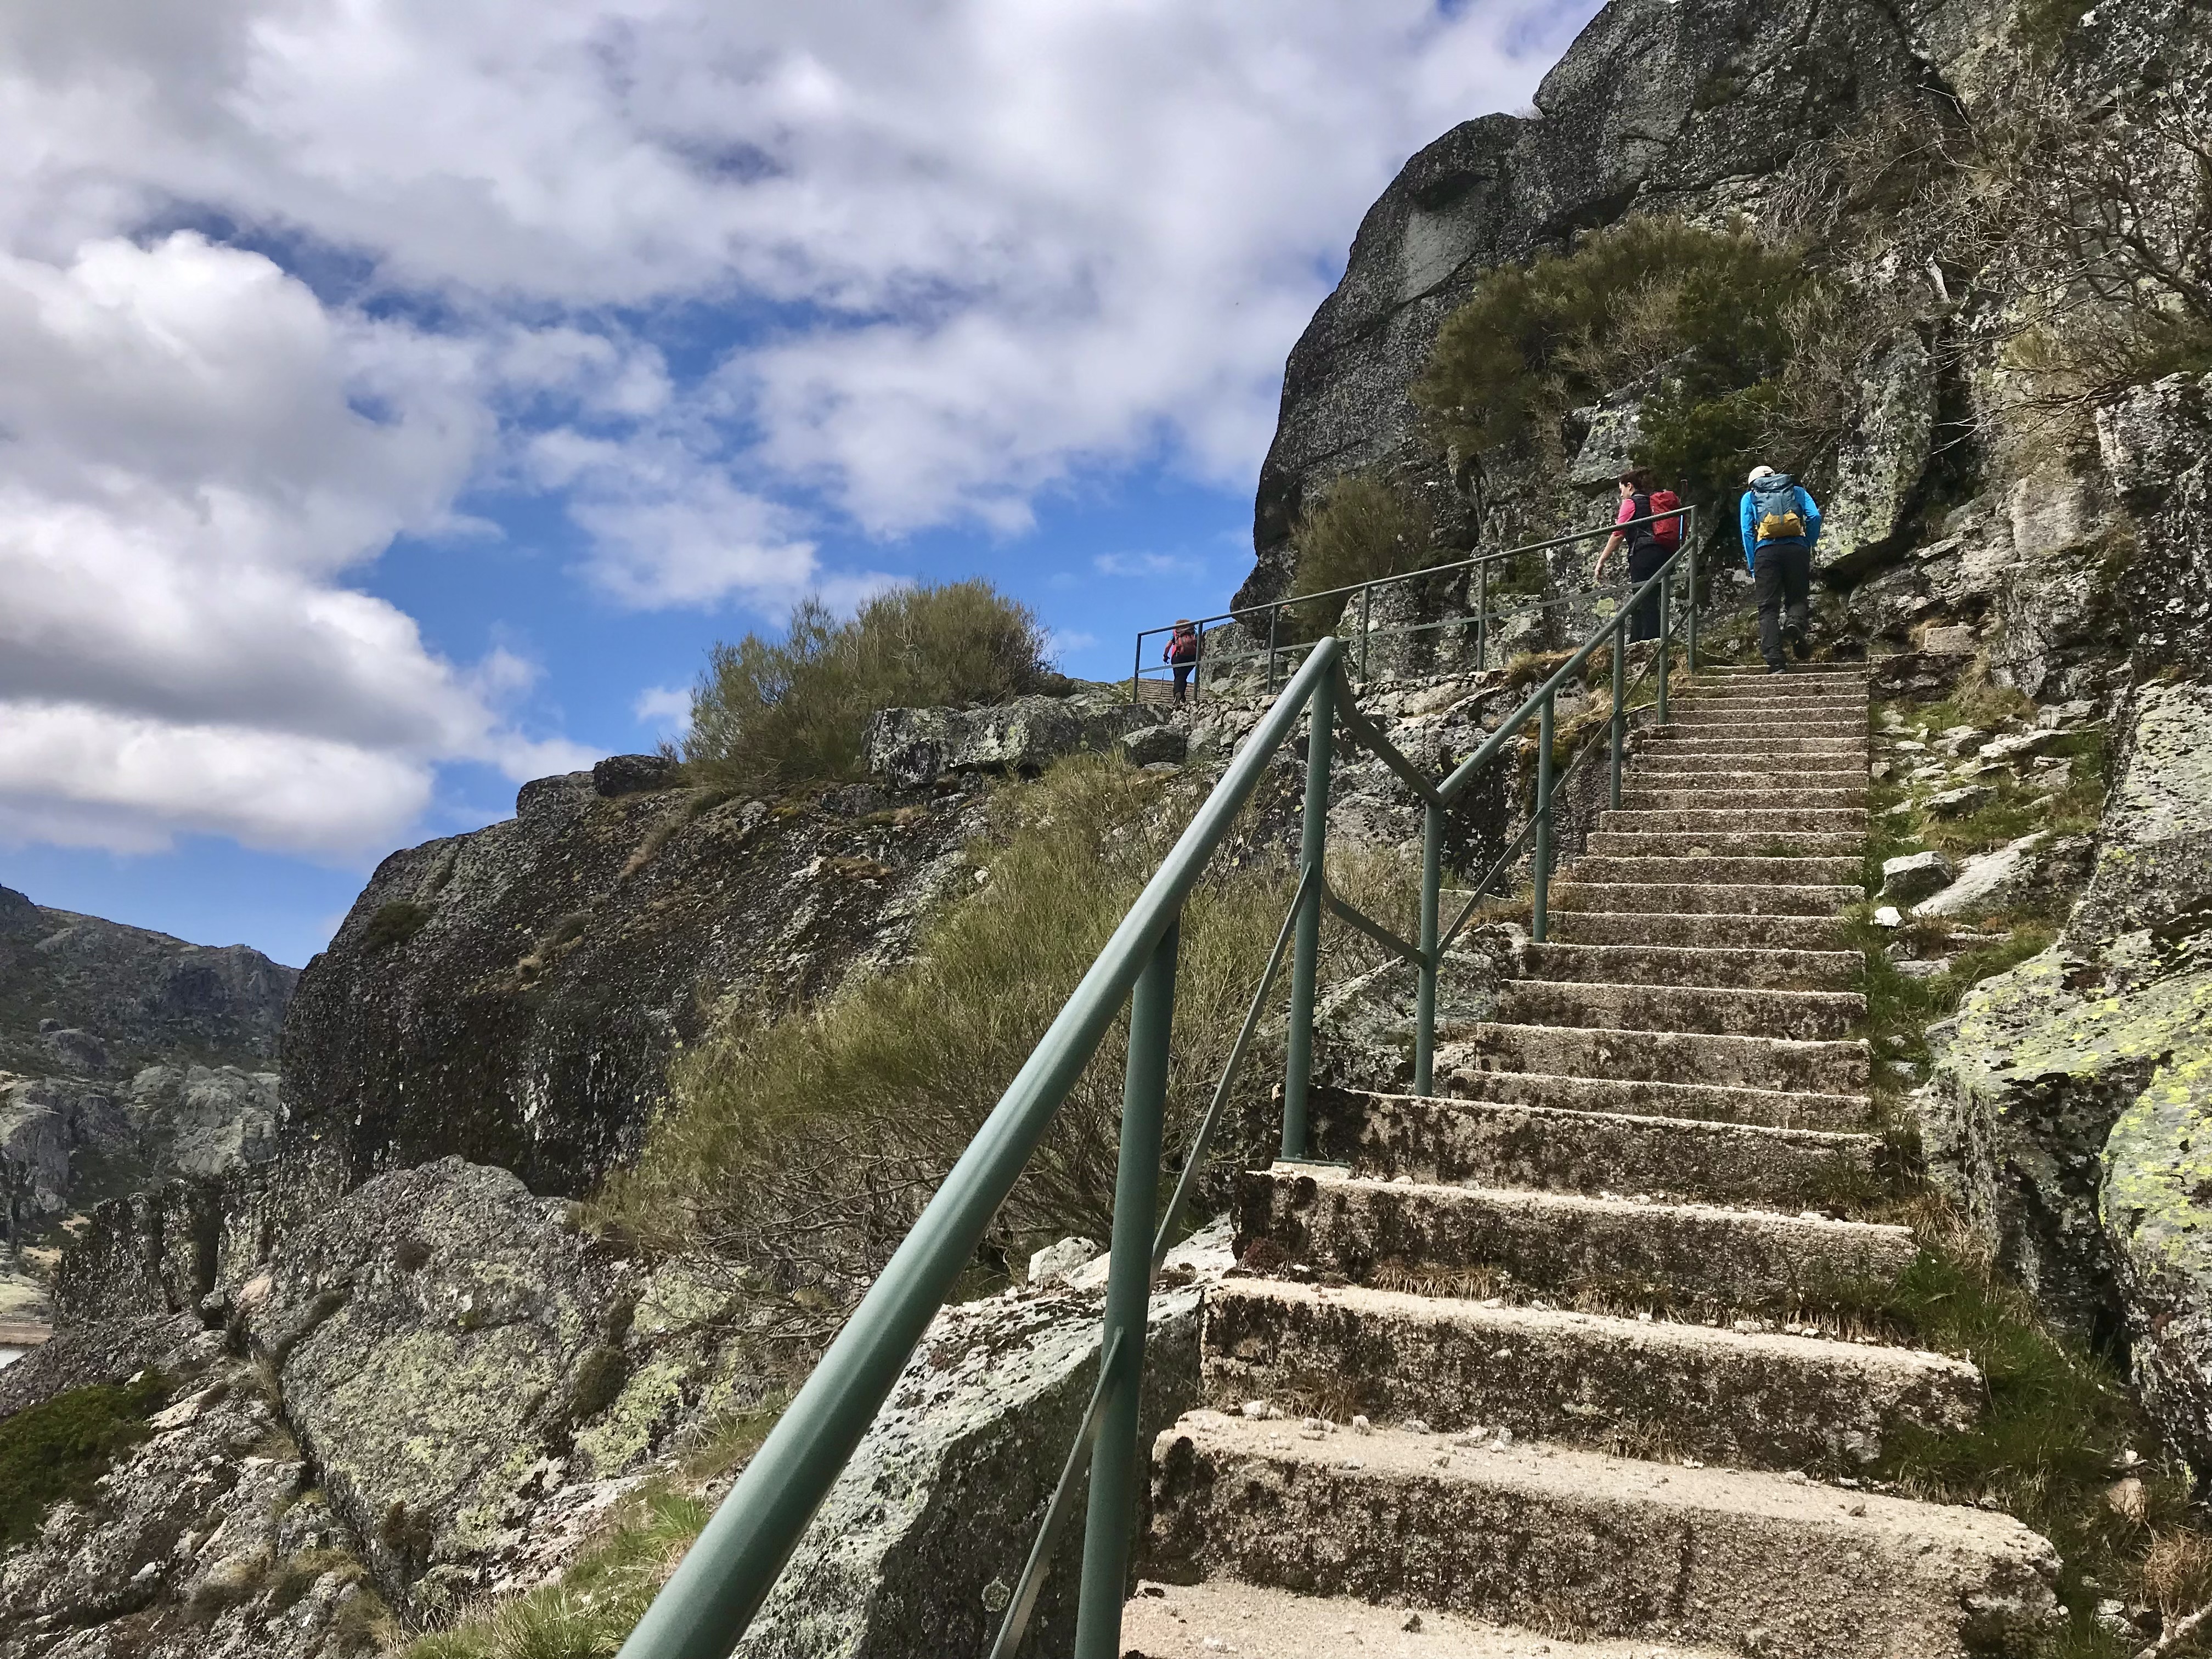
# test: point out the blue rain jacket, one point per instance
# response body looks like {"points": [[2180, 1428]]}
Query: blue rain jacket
{"points": [[1747, 518]]}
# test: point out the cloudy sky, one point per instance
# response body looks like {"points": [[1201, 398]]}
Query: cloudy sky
{"points": [[398, 396]]}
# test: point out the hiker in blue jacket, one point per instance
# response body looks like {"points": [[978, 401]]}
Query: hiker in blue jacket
{"points": [[1781, 527]]}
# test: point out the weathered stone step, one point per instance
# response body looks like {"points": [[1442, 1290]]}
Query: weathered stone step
{"points": [[1698, 898], [1690, 719], [1726, 1010], [1744, 1561], [1751, 1062], [1635, 1388], [1751, 738], [1672, 761], [1701, 931], [1798, 688], [1726, 843], [1787, 872], [1660, 964], [1474, 1143], [1706, 780], [1638, 799], [1766, 820], [1696, 1256], [1459, 1073], [1205, 1621]]}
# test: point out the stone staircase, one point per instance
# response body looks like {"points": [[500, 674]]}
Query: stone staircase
{"points": [[1565, 1363]]}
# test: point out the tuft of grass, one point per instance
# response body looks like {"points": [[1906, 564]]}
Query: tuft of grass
{"points": [[804, 1146], [771, 715], [597, 1601], [728, 1439], [2062, 1446], [58, 1448]]}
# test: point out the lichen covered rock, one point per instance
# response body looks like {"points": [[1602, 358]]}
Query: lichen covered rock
{"points": [[909, 748], [974, 1431], [2154, 846]]}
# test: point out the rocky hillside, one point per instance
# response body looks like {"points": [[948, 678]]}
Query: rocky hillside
{"points": [[127, 1058]]}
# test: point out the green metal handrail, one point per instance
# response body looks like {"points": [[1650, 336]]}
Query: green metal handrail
{"points": [[714, 1593], [1482, 616]]}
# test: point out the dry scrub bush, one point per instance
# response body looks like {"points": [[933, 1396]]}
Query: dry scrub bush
{"points": [[1365, 530], [782, 713], [802, 1148]]}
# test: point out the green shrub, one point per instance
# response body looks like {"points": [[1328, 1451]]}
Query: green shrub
{"points": [[783, 713], [1753, 351], [1363, 530], [395, 923], [806, 1145], [58, 1448]]}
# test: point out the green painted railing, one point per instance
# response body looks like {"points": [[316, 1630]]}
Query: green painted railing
{"points": [[706, 1606]]}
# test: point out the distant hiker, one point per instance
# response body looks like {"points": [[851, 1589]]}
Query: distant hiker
{"points": [[1781, 527], [1182, 655], [1651, 537]]}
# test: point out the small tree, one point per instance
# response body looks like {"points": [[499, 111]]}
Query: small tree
{"points": [[781, 714]]}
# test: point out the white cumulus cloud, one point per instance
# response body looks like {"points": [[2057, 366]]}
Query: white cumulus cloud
{"points": [[728, 282]]}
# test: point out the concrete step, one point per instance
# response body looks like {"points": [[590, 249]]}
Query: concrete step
{"points": [[1700, 898], [1673, 762], [1766, 820], [1751, 738], [1708, 780], [1636, 799], [1473, 1143], [1691, 1256], [1659, 964], [1460, 1074], [1724, 1011], [1658, 1388], [1787, 872], [1702, 931], [1221, 1616], [1751, 1062], [1800, 690], [1727, 843], [1549, 1536], [1688, 718]]}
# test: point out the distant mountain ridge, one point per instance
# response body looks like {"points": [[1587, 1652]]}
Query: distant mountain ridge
{"points": [[82, 996]]}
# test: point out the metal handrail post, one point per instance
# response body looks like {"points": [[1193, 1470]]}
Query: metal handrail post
{"points": [[1114, 1462], [1424, 1010], [1620, 697], [1666, 643], [1306, 960], [1366, 595], [1689, 539], [1542, 857], [1275, 616], [1137, 671], [1482, 619]]}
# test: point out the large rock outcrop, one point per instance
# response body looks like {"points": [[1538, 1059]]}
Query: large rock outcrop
{"points": [[2065, 1096], [515, 996]]}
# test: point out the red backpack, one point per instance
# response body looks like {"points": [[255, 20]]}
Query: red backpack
{"points": [[1665, 532]]}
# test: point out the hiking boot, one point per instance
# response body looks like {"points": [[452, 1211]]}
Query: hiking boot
{"points": [[1801, 646], [1777, 668]]}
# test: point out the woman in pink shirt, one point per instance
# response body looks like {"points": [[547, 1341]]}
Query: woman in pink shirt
{"points": [[1647, 549]]}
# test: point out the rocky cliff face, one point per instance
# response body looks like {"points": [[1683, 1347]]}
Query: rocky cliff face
{"points": [[2063, 548], [515, 996]]}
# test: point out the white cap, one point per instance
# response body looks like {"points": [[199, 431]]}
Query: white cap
{"points": [[1758, 473]]}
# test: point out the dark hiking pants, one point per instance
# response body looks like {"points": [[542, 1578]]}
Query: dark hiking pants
{"points": [[1644, 564], [1782, 574]]}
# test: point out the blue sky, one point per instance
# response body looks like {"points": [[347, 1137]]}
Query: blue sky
{"points": [[395, 401]]}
